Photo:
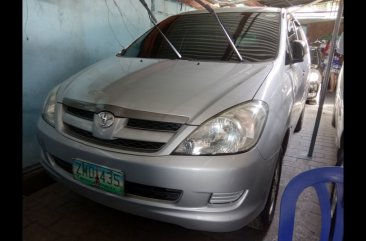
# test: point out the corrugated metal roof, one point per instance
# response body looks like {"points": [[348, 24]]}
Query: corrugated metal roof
{"points": [[287, 3], [233, 3]]}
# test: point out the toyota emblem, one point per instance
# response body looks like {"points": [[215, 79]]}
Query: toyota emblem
{"points": [[105, 119]]}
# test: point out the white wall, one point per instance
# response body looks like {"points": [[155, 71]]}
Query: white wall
{"points": [[61, 37]]}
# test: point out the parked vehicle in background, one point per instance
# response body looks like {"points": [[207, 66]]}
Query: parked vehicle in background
{"points": [[185, 126], [338, 118], [316, 75]]}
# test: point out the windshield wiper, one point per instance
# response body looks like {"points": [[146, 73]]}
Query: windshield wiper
{"points": [[210, 10], [154, 21]]}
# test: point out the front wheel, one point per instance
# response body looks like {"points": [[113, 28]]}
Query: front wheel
{"points": [[263, 221]]}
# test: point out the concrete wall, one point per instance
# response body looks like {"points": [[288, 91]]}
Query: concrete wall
{"points": [[62, 37]]}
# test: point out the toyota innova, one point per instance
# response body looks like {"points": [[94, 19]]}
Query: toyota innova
{"points": [[189, 124]]}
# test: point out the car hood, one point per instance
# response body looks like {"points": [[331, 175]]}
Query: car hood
{"points": [[196, 90]]}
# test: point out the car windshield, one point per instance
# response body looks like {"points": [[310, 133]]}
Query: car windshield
{"points": [[199, 37]]}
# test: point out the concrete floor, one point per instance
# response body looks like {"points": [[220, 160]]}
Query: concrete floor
{"points": [[56, 214]]}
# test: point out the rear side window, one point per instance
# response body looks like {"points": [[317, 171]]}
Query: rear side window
{"points": [[199, 36]]}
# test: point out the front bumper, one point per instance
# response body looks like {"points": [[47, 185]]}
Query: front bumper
{"points": [[199, 177]]}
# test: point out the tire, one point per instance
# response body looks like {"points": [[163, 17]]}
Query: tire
{"points": [[265, 218], [299, 122]]}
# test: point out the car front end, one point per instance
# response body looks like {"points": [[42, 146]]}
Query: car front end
{"points": [[177, 140], [206, 175]]}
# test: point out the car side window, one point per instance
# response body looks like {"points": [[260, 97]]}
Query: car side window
{"points": [[294, 32], [291, 36], [300, 34], [298, 31], [288, 56]]}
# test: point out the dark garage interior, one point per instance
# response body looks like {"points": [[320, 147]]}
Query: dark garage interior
{"points": [[81, 58]]}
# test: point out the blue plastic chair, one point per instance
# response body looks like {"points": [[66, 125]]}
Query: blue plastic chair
{"points": [[318, 178]]}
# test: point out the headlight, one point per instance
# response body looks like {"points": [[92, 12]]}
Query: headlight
{"points": [[315, 75], [50, 106], [235, 130]]}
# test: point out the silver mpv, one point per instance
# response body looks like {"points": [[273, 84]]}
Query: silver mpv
{"points": [[189, 124]]}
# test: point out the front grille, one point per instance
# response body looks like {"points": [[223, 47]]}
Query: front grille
{"points": [[85, 114], [135, 189], [146, 146], [153, 125], [132, 123]]}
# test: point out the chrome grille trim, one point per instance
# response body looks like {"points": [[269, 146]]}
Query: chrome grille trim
{"points": [[134, 123], [80, 122], [119, 143], [84, 114], [153, 125], [125, 112]]}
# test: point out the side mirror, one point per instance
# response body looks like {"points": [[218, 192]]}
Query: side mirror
{"points": [[298, 51], [121, 53]]}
